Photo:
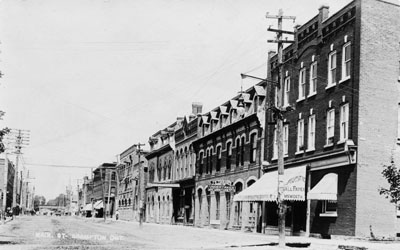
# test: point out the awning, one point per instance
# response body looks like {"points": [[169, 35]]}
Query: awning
{"points": [[88, 207], [265, 189], [98, 204], [326, 188]]}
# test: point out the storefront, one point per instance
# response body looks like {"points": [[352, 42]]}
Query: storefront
{"points": [[264, 191]]}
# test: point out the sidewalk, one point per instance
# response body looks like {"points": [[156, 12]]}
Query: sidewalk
{"points": [[258, 241]]}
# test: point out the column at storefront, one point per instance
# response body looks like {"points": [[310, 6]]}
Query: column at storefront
{"points": [[245, 215], [204, 212], [213, 210]]}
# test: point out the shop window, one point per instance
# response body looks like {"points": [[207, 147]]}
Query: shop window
{"points": [[217, 205], [228, 204], [329, 209]]}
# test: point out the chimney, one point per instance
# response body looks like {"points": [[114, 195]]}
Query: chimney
{"points": [[197, 108], [323, 13]]}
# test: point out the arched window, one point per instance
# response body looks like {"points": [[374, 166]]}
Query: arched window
{"points": [[238, 151]]}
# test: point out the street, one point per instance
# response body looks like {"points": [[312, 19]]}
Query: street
{"points": [[50, 232]]}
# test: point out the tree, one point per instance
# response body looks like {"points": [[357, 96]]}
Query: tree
{"points": [[392, 175], [37, 201], [3, 132]]}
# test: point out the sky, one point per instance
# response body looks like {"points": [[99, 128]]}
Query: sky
{"points": [[89, 78]]}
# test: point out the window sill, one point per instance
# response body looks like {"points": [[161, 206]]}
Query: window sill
{"points": [[276, 158], [300, 99], [310, 150], [331, 214], [330, 85], [341, 141], [328, 145], [312, 94], [299, 152], [344, 80]]}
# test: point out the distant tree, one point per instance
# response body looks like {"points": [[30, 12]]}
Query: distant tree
{"points": [[60, 200], [3, 132], [392, 175], [38, 200]]}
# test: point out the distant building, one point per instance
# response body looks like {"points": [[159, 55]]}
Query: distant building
{"points": [[128, 182], [159, 208], [104, 189], [8, 195], [228, 150], [184, 167]]}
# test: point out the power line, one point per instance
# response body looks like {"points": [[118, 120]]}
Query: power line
{"points": [[57, 166]]}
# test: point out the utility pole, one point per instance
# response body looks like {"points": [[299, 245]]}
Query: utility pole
{"points": [[279, 120], [109, 193], [139, 152], [102, 193], [21, 140], [4, 193]]}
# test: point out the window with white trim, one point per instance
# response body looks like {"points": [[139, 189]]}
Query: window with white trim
{"points": [[311, 133], [286, 90], [344, 122], [346, 61], [313, 79], [330, 126], [329, 209], [300, 135], [332, 69], [302, 84], [285, 139]]}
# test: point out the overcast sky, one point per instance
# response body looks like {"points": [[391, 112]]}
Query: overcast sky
{"points": [[89, 78]]}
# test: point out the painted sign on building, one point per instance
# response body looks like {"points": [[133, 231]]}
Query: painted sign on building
{"points": [[221, 186]]}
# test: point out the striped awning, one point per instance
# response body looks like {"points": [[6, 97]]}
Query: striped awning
{"points": [[266, 188]]}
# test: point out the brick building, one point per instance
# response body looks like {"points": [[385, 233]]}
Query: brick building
{"points": [[104, 189], [184, 169], [159, 208], [228, 151], [128, 183], [341, 76]]}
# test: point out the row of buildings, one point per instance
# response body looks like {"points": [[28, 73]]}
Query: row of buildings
{"points": [[218, 168], [25, 190]]}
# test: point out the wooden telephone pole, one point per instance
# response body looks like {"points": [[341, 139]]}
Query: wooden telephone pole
{"points": [[279, 120], [140, 182]]}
